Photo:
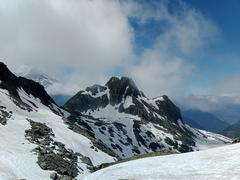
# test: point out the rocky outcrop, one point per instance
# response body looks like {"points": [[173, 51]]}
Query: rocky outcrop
{"points": [[4, 115], [53, 155], [13, 83]]}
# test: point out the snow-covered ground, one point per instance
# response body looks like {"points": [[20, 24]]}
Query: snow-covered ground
{"points": [[218, 163], [17, 161]]}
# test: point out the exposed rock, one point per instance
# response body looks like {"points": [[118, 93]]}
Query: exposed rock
{"points": [[4, 116], [53, 155], [58, 163], [83, 128], [12, 83], [235, 141], [120, 88]]}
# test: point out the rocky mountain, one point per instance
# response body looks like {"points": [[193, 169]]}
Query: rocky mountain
{"points": [[102, 124], [204, 120], [35, 141], [120, 116]]}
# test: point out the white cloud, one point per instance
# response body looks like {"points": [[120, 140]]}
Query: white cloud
{"points": [[228, 86], [82, 42], [91, 37], [160, 74], [164, 67]]}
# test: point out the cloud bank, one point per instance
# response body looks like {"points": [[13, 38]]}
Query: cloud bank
{"points": [[87, 41], [84, 37]]}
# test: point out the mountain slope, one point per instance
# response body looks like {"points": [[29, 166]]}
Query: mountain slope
{"points": [[125, 120], [204, 120], [191, 122], [218, 163], [232, 131], [35, 143]]}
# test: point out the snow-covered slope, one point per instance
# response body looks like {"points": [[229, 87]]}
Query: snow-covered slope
{"points": [[34, 140], [129, 123], [217, 163]]}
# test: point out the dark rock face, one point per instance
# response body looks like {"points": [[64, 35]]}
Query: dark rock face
{"points": [[12, 83], [159, 113], [121, 88], [118, 90], [83, 101], [168, 109]]}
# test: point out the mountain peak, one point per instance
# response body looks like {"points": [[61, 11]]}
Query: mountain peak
{"points": [[120, 88], [126, 81], [5, 73]]}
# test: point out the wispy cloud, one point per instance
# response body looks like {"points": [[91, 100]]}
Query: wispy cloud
{"points": [[164, 66]]}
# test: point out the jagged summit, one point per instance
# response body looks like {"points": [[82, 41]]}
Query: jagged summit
{"points": [[122, 81], [123, 94], [120, 88], [13, 84]]}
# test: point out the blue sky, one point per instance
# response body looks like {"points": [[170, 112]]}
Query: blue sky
{"points": [[218, 59], [222, 58]]}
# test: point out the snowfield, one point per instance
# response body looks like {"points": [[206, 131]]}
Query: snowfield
{"points": [[218, 163], [17, 161]]}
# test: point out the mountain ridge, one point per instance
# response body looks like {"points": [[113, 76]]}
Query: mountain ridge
{"points": [[129, 123]]}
